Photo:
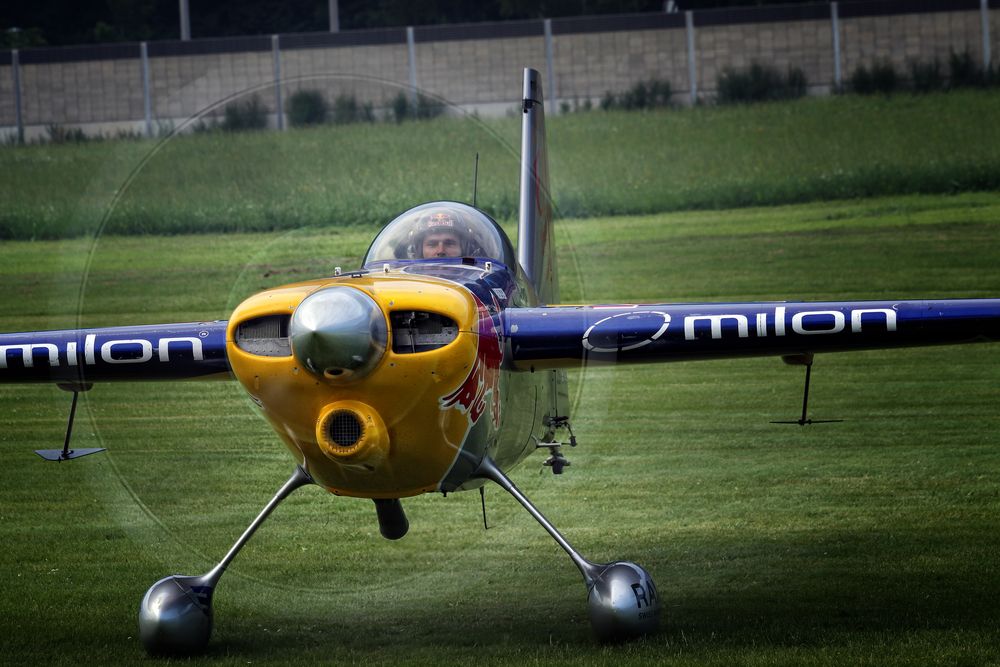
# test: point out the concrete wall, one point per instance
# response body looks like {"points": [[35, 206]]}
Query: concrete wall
{"points": [[479, 66], [360, 71], [7, 110], [78, 93], [994, 22], [910, 37], [807, 45], [591, 64], [186, 86], [478, 72]]}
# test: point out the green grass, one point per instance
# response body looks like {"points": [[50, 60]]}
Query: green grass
{"points": [[602, 164], [871, 541]]}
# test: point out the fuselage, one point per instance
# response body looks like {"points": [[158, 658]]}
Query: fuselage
{"points": [[438, 397]]}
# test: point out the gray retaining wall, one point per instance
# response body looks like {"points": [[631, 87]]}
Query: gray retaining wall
{"points": [[103, 88]]}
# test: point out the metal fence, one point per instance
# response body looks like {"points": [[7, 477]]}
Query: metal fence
{"points": [[477, 66]]}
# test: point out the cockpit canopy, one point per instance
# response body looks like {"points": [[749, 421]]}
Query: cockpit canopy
{"points": [[441, 230]]}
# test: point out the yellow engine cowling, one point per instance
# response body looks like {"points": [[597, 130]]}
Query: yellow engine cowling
{"points": [[385, 434]]}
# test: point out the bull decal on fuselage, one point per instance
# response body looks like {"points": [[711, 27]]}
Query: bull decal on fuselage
{"points": [[481, 387]]}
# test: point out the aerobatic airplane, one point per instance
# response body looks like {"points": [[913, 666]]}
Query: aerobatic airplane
{"points": [[440, 364]]}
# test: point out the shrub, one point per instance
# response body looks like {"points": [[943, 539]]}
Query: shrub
{"points": [[59, 134], [647, 95], [306, 107], [991, 77], [164, 128], [345, 109], [247, 115], [205, 126], [963, 71], [796, 85], [428, 107], [861, 81], [425, 107], [400, 108], [884, 77], [130, 134], [643, 95], [759, 83], [881, 78], [926, 77], [636, 97], [576, 106]]}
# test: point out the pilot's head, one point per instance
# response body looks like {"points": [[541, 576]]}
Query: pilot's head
{"points": [[441, 243], [440, 234]]}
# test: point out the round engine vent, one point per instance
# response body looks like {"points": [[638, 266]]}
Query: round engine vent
{"points": [[345, 428], [352, 433]]}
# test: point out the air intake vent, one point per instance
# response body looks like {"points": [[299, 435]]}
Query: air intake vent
{"points": [[420, 331], [265, 336], [345, 428]]}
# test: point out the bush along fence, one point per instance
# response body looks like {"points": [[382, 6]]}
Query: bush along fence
{"points": [[694, 55]]}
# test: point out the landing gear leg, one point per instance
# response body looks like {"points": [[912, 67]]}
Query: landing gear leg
{"points": [[175, 616], [621, 595]]}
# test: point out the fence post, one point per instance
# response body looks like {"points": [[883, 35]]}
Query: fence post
{"points": [[333, 12], [692, 67], [835, 24], [550, 69], [147, 105], [984, 19], [411, 50], [185, 21], [279, 110], [15, 67]]}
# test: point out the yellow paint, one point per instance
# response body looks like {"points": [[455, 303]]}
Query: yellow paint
{"points": [[371, 448], [413, 441]]}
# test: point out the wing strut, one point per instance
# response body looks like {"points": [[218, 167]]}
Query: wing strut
{"points": [[65, 454], [804, 359]]}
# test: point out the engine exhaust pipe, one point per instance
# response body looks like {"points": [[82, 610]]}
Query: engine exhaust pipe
{"points": [[392, 522]]}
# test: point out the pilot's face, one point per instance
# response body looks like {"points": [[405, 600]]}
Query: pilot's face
{"points": [[442, 244]]}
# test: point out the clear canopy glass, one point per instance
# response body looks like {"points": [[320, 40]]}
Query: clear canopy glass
{"points": [[441, 229]]}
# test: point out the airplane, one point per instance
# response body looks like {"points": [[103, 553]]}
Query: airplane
{"points": [[440, 365]]}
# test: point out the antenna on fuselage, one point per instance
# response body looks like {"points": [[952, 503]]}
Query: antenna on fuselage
{"points": [[482, 499], [475, 180]]}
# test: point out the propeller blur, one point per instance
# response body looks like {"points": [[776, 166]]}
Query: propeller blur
{"points": [[440, 364]]}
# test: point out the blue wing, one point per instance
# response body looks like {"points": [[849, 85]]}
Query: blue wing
{"points": [[82, 356], [562, 336]]}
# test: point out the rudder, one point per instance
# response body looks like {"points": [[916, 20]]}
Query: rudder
{"points": [[536, 240]]}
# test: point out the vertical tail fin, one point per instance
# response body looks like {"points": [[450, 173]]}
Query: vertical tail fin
{"points": [[535, 233]]}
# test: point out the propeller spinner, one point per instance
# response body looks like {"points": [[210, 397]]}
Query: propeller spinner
{"points": [[339, 333]]}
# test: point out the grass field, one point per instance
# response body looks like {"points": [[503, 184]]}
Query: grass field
{"points": [[602, 164], [871, 541]]}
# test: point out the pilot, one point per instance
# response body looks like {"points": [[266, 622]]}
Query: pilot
{"points": [[440, 234]]}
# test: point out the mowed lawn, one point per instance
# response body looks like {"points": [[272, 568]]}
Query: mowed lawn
{"points": [[602, 163], [874, 540]]}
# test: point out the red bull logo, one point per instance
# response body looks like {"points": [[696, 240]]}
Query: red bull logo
{"points": [[440, 220], [481, 387]]}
